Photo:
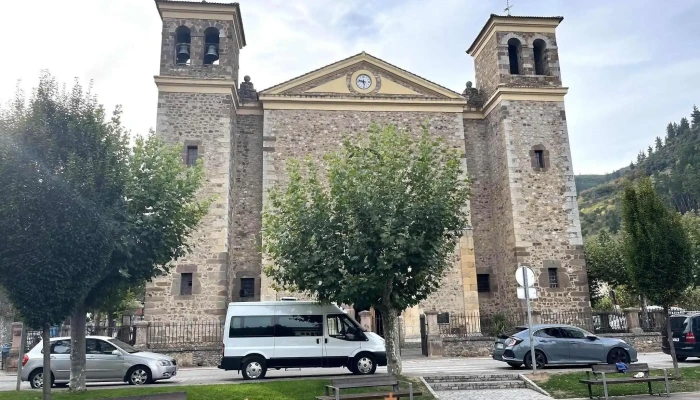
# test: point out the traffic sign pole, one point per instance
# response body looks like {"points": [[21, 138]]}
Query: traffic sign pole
{"points": [[529, 322]]}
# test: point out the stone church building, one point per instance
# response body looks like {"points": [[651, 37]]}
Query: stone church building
{"points": [[510, 127]]}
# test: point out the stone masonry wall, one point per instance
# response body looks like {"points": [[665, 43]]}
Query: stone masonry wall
{"points": [[301, 133], [203, 120], [228, 50], [545, 212], [245, 208], [486, 68]]}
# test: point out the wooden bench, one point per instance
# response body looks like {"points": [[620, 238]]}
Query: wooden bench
{"points": [[365, 382], [602, 375]]}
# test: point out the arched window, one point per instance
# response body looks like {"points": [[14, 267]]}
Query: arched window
{"points": [[514, 56], [182, 45], [211, 46], [539, 48]]}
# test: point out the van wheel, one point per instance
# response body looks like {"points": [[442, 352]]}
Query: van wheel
{"points": [[364, 364], [254, 368], [36, 378]]}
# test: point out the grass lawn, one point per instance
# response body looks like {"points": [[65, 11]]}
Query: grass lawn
{"points": [[306, 389], [564, 386]]}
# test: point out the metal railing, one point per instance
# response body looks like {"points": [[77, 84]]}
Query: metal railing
{"points": [[179, 333], [125, 333]]}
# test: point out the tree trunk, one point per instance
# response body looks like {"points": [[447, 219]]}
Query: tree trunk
{"points": [[77, 350], [46, 344], [391, 338], [669, 333], [97, 321]]}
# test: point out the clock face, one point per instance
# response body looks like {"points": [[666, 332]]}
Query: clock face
{"points": [[363, 81]]}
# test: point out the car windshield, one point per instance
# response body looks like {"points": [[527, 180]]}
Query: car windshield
{"points": [[124, 346], [512, 332]]}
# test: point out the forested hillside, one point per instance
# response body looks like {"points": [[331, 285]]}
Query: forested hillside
{"points": [[674, 163]]}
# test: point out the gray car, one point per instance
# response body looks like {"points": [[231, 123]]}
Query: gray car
{"points": [[107, 360], [560, 344]]}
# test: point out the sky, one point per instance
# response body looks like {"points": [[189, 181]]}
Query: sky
{"points": [[631, 65]]}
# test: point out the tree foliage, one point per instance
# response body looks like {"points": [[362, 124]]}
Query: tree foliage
{"points": [[605, 262], [379, 229], [656, 247]]}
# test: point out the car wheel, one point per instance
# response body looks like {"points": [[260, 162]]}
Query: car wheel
{"points": [[681, 358], [617, 355], [36, 379], [254, 368], [364, 364], [540, 360], [138, 375], [515, 365]]}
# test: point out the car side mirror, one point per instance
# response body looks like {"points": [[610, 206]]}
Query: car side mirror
{"points": [[592, 337], [116, 353]]}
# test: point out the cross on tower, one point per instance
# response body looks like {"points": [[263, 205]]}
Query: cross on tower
{"points": [[508, 7]]}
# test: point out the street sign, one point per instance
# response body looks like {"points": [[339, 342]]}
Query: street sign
{"points": [[519, 276], [532, 293]]}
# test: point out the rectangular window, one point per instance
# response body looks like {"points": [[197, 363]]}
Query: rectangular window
{"points": [[191, 157], [186, 284], [443, 318], [553, 278], [251, 326], [539, 157], [483, 285], [299, 325], [247, 287]]}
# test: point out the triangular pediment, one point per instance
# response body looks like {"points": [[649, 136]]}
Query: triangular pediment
{"points": [[365, 76]]}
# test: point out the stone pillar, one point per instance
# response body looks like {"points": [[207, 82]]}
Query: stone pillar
{"points": [[366, 320], [536, 317], [434, 338], [632, 318], [141, 341], [13, 355]]}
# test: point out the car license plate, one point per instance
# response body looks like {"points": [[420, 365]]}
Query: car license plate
{"points": [[499, 345], [675, 339]]}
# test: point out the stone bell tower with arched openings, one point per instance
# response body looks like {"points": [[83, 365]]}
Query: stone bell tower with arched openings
{"points": [[197, 99], [524, 208]]}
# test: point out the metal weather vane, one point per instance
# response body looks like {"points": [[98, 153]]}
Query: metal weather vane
{"points": [[508, 7]]}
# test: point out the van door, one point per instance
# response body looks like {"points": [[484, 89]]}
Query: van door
{"points": [[298, 341], [341, 340]]}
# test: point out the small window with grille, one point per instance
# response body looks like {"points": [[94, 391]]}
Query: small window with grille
{"points": [[186, 284], [553, 278], [483, 284], [247, 287], [192, 155]]}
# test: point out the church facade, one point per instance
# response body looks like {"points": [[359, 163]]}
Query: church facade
{"points": [[510, 128]]}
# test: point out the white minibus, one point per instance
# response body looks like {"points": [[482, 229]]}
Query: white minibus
{"points": [[296, 334]]}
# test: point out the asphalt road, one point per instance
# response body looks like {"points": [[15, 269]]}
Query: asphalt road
{"points": [[412, 365]]}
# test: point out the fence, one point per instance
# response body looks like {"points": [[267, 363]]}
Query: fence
{"points": [[460, 325], [125, 333], [180, 333]]}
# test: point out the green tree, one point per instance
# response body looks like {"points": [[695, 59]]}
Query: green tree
{"points": [[658, 144], [657, 249], [62, 169], [691, 224], [380, 231], [605, 262]]}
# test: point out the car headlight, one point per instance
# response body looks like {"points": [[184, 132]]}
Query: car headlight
{"points": [[164, 363]]}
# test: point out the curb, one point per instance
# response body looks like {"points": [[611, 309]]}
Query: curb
{"points": [[532, 385], [427, 386]]}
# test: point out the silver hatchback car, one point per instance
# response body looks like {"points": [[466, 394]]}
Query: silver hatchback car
{"points": [[107, 360]]}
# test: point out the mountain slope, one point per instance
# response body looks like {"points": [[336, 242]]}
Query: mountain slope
{"points": [[674, 164]]}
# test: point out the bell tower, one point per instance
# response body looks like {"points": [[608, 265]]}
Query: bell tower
{"points": [[197, 102], [524, 200]]}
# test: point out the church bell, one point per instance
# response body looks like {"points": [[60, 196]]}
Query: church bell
{"points": [[212, 54], [183, 53]]}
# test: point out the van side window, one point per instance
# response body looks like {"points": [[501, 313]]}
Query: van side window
{"points": [[340, 327], [251, 326], [60, 347], [299, 325]]}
